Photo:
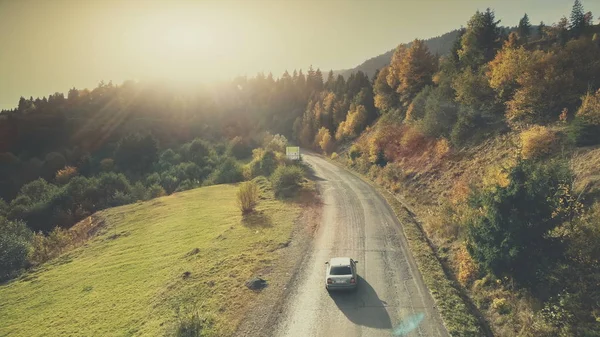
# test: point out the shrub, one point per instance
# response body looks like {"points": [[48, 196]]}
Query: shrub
{"points": [[334, 156], [509, 234], [153, 179], [229, 172], [107, 164], [156, 191], [136, 153], [108, 186], [582, 133], [15, 242], [354, 152], [169, 183], [287, 180], [501, 305], [590, 108], [63, 176], [139, 192], [467, 269], [276, 143], [247, 196], [239, 148], [186, 185], [538, 141], [267, 163], [442, 148]]}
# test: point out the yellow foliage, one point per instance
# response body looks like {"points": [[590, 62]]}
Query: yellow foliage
{"points": [[538, 141], [501, 305], [63, 176], [590, 108], [247, 196], [442, 148], [496, 176], [467, 269], [324, 140], [334, 156]]}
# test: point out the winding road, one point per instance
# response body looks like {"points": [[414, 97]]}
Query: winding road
{"points": [[391, 299]]}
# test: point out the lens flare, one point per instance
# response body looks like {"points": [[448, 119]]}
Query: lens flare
{"points": [[408, 324]]}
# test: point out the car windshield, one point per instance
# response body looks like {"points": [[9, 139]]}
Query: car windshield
{"points": [[340, 270]]}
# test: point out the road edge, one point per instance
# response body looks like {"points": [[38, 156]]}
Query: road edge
{"points": [[301, 241], [455, 312]]}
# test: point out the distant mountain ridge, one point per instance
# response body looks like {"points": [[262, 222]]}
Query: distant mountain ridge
{"points": [[440, 45]]}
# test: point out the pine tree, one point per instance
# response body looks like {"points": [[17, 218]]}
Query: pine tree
{"points": [[577, 19], [330, 84], [524, 28], [481, 40], [318, 81], [542, 30]]}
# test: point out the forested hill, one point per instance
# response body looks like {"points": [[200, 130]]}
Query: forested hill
{"points": [[437, 45]]}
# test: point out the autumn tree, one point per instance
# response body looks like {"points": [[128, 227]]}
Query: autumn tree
{"points": [[386, 97], [412, 69], [524, 28], [324, 141]]}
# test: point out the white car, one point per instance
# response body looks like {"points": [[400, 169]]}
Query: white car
{"points": [[341, 273]]}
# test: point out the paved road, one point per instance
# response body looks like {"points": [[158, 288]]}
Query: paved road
{"points": [[357, 222]]}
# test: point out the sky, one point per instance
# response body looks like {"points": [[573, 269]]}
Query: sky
{"points": [[51, 46]]}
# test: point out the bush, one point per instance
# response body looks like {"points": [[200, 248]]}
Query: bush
{"points": [[156, 191], [139, 192], [239, 148], [15, 242], [267, 163], [107, 164], [287, 180], [136, 153], [169, 183], [153, 179], [538, 141], [229, 172], [247, 196], [276, 143], [186, 185], [442, 148], [334, 156], [582, 133], [509, 234], [354, 152], [63, 176]]}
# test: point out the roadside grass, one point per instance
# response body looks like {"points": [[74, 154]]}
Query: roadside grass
{"points": [[459, 318], [154, 264]]}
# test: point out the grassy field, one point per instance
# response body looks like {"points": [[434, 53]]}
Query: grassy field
{"points": [[190, 250]]}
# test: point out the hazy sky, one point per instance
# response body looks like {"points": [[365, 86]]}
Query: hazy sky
{"points": [[49, 46]]}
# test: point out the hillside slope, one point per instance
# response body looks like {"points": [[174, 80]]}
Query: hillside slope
{"points": [[191, 251]]}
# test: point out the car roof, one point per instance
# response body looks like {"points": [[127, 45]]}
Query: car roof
{"points": [[340, 261]]}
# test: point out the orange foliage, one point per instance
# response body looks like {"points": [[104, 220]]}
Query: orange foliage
{"points": [[442, 148], [467, 269], [63, 176]]}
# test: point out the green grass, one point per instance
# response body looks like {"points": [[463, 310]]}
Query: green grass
{"points": [[129, 280], [456, 313]]}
